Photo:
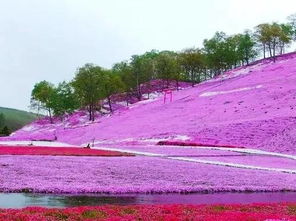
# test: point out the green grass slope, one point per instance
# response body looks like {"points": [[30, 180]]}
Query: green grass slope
{"points": [[15, 119]]}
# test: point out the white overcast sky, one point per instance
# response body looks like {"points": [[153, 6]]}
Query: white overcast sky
{"points": [[49, 39]]}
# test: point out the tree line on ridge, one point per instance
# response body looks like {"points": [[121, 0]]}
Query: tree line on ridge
{"points": [[92, 84]]}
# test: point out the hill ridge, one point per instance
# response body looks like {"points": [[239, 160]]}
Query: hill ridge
{"points": [[16, 119]]}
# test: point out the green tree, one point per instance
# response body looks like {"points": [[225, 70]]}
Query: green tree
{"points": [[149, 68], [262, 35], [137, 71], [246, 47], [192, 62], [292, 23], [112, 84], [285, 37], [274, 37], [124, 70], [167, 66], [42, 97], [216, 53], [64, 100], [143, 69], [88, 87]]}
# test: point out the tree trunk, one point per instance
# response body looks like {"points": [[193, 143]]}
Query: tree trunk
{"points": [[139, 95], [93, 113], [274, 46], [192, 78], [90, 112], [50, 115], [127, 96], [270, 50], [109, 103]]}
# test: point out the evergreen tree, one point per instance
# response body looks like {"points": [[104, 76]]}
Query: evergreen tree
{"points": [[2, 120], [5, 131]]}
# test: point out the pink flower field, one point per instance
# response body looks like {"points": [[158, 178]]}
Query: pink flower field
{"points": [[105, 116], [58, 174], [232, 133]]}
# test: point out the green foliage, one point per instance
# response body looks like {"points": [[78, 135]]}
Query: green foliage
{"points": [[5, 131], [167, 67], [56, 100], [143, 69], [2, 120], [57, 215], [42, 97], [193, 64], [88, 85], [93, 85], [292, 209], [274, 38], [219, 208], [124, 70], [111, 84], [64, 99], [246, 47], [292, 23], [217, 50], [128, 211], [94, 214], [42, 92]]}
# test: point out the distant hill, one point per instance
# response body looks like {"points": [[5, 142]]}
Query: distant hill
{"points": [[15, 119]]}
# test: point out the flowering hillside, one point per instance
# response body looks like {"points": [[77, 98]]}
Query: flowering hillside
{"points": [[232, 133], [252, 107]]}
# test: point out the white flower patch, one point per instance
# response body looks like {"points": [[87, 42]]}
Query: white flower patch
{"points": [[241, 71], [29, 128], [182, 137], [158, 139], [153, 95], [214, 93], [122, 103]]}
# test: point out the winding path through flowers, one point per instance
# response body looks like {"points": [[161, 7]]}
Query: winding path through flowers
{"points": [[268, 161]]}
